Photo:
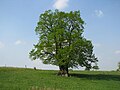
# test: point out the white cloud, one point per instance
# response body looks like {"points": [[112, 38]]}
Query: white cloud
{"points": [[18, 42], [117, 52], [60, 4], [1, 44], [99, 13]]}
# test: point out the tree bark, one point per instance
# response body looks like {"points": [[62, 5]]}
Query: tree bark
{"points": [[63, 71]]}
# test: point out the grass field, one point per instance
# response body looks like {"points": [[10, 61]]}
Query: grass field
{"points": [[29, 79]]}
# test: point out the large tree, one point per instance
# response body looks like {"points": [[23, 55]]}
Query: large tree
{"points": [[118, 66], [61, 41]]}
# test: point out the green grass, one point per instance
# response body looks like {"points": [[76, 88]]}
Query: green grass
{"points": [[29, 79]]}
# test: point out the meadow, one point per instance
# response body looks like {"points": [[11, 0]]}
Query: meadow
{"points": [[30, 79]]}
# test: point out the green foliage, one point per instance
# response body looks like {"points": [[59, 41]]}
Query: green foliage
{"points": [[61, 41], [30, 79], [95, 67]]}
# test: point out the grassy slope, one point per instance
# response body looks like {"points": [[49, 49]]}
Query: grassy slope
{"points": [[27, 79]]}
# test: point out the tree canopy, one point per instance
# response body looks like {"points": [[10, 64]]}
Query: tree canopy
{"points": [[61, 41], [118, 66]]}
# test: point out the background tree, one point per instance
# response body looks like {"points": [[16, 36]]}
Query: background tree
{"points": [[118, 66], [95, 67], [61, 41]]}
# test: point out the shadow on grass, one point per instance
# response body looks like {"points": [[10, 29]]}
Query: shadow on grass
{"points": [[97, 76]]}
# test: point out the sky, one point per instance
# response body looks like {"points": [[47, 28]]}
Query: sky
{"points": [[18, 19]]}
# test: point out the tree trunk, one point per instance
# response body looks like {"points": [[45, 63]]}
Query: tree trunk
{"points": [[63, 71]]}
